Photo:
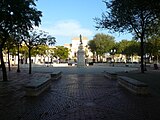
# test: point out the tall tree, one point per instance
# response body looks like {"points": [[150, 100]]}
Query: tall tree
{"points": [[7, 47], [24, 53], [16, 17], [103, 43], [35, 38], [153, 47], [121, 46], [132, 49], [42, 50], [139, 17], [92, 47]]}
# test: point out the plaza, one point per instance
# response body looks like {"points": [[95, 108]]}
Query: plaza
{"points": [[55, 64], [80, 94]]}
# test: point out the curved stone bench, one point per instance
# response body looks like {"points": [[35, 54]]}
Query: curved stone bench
{"points": [[37, 85], [133, 85]]}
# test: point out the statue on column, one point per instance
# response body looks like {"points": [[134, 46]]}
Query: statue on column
{"points": [[80, 54], [80, 39]]}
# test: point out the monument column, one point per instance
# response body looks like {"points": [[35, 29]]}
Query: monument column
{"points": [[80, 54]]}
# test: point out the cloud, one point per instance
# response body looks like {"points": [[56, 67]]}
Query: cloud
{"points": [[67, 28]]}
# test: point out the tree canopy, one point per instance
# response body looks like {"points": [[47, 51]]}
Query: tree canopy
{"points": [[139, 17], [132, 48], [121, 46], [152, 47], [35, 38], [16, 18], [61, 52], [101, 44]]}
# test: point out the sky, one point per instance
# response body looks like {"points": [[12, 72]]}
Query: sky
{"points": [[65, 19]]}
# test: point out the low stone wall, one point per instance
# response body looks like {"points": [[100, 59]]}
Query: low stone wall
{"points": [[133, 85], [110, 75], [56, 75], [117, 64], [37, 85]]}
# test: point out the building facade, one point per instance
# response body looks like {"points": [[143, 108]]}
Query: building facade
{"points": [[73, 48]]}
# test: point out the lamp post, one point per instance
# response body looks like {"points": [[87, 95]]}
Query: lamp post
{"points": [[112, 53]]}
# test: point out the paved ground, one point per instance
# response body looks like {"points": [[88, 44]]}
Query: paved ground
{"points": [[83, 96]]}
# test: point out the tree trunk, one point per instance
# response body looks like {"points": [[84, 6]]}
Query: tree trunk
{"points": [[9, 65], [93, 57], [18, 69], [142, 53], [25, 57], [3, 65], [101, 59], [132, 58], [30, 61], [97, 57]]}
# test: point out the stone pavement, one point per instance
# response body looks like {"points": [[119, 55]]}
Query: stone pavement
{"points": [[74, 97]]}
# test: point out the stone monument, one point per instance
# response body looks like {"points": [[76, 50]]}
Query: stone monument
{"points": [[80, 54]]}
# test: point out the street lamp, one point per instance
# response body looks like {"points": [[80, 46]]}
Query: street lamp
{"points": [[113, 51]]}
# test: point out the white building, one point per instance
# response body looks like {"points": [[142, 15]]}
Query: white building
{"points": [[73, 47]]}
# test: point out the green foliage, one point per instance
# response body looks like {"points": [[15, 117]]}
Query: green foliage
{"points": [[140, 17], [92, 46], [16, 18], [128, 47], [35, 38], [121, 46], [23, 51], [101, 43], [61, 52], [153, 46], [137, 16], [40, 50], [133, 48]]}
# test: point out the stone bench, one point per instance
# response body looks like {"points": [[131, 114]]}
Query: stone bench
{"points": [[133, 85], [111, 75], [56, 75], [37, 85]]}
